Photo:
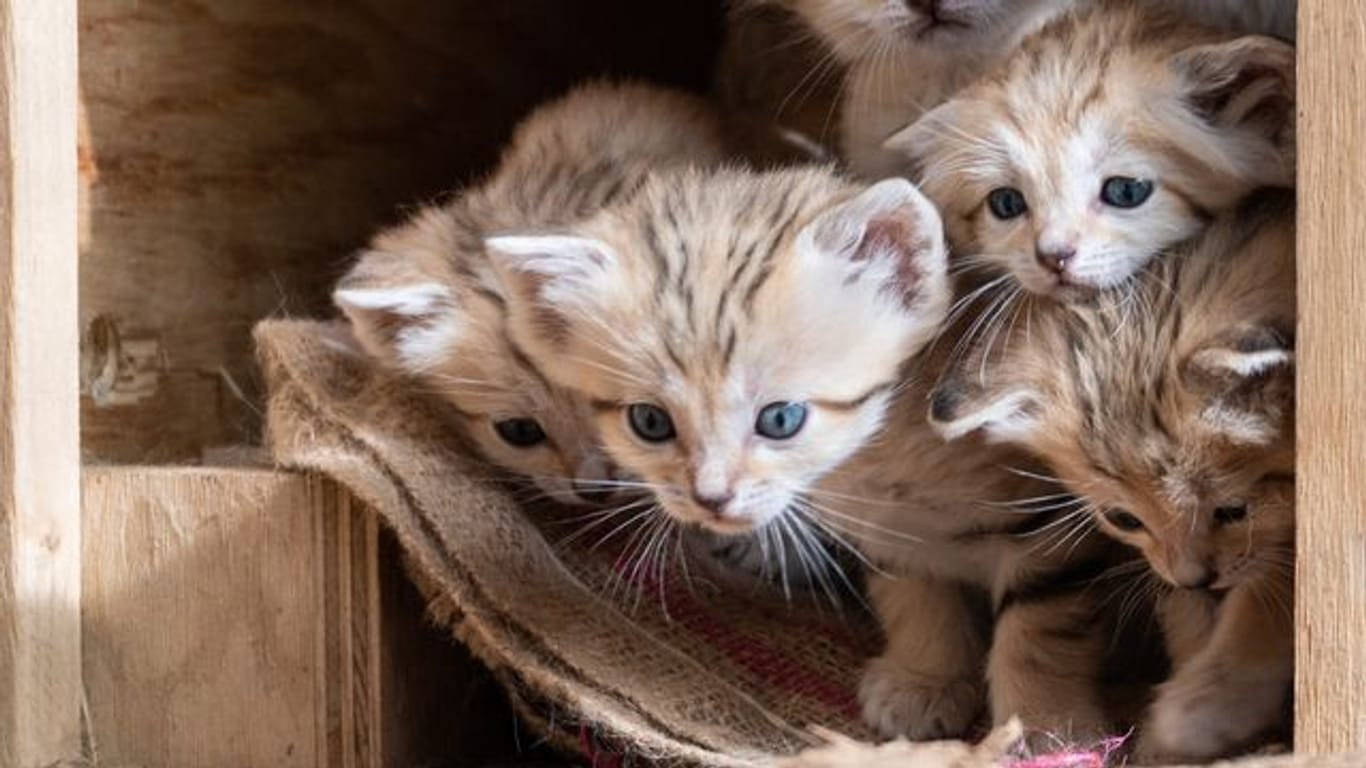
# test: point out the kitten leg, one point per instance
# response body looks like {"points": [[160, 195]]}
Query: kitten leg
{"points": [[927, 684], [1045, 667], [1234, 689]]}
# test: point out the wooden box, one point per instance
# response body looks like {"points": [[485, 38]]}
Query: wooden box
{"points": [[175, 170]]}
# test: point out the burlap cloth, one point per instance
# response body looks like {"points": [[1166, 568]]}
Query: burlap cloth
{"points": [[624, 665]]}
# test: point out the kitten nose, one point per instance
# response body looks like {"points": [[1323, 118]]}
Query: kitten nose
{"points": [[1202, 578], [713, 503], [1055, 260]]}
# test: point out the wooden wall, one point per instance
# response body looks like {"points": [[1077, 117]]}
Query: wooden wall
{"points": [[1331, 603], [234, 152]]}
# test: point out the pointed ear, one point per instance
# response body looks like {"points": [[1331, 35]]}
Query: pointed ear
{"points": [[1245, 83], [398, 315], [1247, 380], [892, 233], [550, 274], [961, 405], [924, 138]]}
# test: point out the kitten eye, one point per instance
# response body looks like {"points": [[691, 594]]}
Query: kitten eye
{"points": [[522, 433], [1007, 203], [650, 422], [781, 420], [1125, 521], [1125, 192], [1230, 514]]}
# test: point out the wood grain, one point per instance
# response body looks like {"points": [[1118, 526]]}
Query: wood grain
{"points": [[230, 618], [235, 152], [40, 642], [1331, 686]]}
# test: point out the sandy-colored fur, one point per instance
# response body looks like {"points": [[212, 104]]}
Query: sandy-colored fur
{"points": [[899, 62], [713, 295], [1172, 401], [424, 300], [1120, 90]]}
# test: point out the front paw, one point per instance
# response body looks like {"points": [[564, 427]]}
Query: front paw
{"points": [[1202, 716], [902, 702]]}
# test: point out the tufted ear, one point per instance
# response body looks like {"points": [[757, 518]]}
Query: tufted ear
{"points": [[1247, 83], [927, 136], [399, 315], [961, 405], [548, 275], [892, 233], [1247, 382]]}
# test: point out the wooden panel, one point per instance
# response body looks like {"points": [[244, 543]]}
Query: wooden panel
{"points": [[230, 619], [234, 152], [1331, 689], [40, 642]]}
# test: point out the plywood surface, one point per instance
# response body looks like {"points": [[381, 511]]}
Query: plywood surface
{"points": [[235, 152], [1331, 688], [40, 642]]}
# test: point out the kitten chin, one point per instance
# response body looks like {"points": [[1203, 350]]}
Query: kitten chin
{"points": [[1112, 134]]}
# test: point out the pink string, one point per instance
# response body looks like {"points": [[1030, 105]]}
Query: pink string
{"points": [[1095, 757]]}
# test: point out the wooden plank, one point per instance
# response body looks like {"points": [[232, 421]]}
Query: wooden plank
{"points": [[1331, 687], [40, 643], [230, 619], [234, 152]]}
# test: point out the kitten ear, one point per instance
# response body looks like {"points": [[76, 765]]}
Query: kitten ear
{"points": [[1247, 83], [1248, 382], [398, 315], [892, 225], [960, 405], [549, 274], [924, 138]]}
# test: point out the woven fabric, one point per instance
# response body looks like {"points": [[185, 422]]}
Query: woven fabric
{"points": [[638, 659]]}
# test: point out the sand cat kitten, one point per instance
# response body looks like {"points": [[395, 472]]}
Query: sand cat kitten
{"points": [[425, 301], [904, 57], [739, 334], [1169, 408], [741, 337], [1111, 134]]}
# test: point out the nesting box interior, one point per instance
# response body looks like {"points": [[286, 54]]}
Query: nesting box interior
{"points": [[193, 607]]}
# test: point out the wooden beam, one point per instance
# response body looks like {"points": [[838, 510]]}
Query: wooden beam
{"points": [[1331, 687], [40, 641], [230, 618]]}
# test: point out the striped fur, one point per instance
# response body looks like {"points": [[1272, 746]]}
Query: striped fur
{"points": [[1121, 89], [714, 294], [424, 301], [1172, 401]]}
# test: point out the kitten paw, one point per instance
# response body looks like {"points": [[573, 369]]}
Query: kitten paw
{"points": [[1199, 717], [901, 702]]}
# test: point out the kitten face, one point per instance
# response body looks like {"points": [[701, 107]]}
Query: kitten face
{"points": [[1111, 135], [1168, 408], [865, 29], [739, 334], [412, 313]]}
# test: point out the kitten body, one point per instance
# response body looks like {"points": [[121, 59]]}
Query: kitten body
{"points": [[424, 300], [1114, 132], [1169, 408], [697, 315]]}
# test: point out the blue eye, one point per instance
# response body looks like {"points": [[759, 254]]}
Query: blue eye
{"points": [[522, 433], [1007, 203], [651, 422], [781, 420], [1125, 192]]}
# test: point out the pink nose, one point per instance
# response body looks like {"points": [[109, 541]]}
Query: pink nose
{"points": [[1055, 261], [713, 503]]}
